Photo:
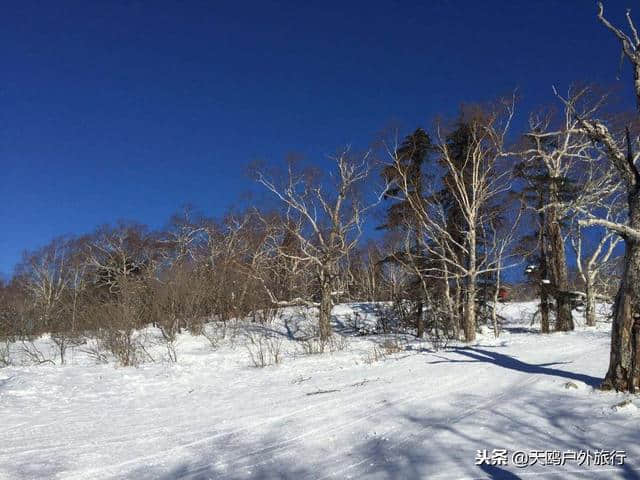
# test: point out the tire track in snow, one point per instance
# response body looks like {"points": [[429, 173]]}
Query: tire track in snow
{"points": [[443, 392], [280, 445], [67, 431], [280, 448], [528, 381], [233, 432]]}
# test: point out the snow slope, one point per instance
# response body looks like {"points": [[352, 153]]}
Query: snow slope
{"points": [[418, 413]]}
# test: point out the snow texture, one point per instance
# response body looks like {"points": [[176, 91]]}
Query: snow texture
{"points": [[416, 413]]}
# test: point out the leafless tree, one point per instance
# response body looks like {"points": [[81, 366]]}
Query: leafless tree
{"points": [[45, 277], [364, 275], [600, 196], [622, 151], [122, 262], [117, 254], [561, 149], [499, 241], [474, 180], [325, 219]]}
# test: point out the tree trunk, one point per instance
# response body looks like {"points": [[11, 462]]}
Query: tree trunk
{"points": [[544, 274], [544, 309], [624, 368], [449, 302], [419, 320], [564, 319], [459, 307], [326, 304], [470, 310], [590, 309], [494, 307], [470, 300]]}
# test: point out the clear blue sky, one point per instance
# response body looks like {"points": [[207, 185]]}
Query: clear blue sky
{"points": [[129, 109]]}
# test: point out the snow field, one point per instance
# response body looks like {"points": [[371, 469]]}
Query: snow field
{"points": [[417, 413]]}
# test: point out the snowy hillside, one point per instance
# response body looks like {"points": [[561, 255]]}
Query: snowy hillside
{"points": [[378, 407]]}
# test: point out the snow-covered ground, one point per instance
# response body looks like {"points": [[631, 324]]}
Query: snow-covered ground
{"points": [[350, 413]]}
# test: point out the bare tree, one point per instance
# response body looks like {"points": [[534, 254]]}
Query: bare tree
{"points": [[473, 179], [117, 254], [275, 260], [325, 219], [45, 276], [122, 262], [624, 367], [600, 197], [560, 149], [500, 256], [365, 277]]}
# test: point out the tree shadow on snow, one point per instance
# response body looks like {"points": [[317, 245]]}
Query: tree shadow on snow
{"points": [[506, 361], [549, 425], [208, 472], [497, 473], [520, 329], [629, 472], [424, 453]]}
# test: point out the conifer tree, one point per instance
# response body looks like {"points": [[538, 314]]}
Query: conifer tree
{"points": [[412, 154]]}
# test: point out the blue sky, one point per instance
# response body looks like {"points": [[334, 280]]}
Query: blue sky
{"points": [[130, 109]]}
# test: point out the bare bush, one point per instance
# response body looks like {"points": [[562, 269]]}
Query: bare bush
{"points": [[94, 350], [315, 344], [169, 336], [392, 345], [34, 354], [264, 348], [214, 333], [388, 347], [5, 353], [128, 346], [63, 340], [374, 355]]}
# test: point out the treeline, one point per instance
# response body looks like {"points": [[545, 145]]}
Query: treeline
{"points": [[459, 204], [119, 279], [451, 206]]}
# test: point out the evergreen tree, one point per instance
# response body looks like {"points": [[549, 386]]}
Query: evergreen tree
{"points": [[412, 155]]}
